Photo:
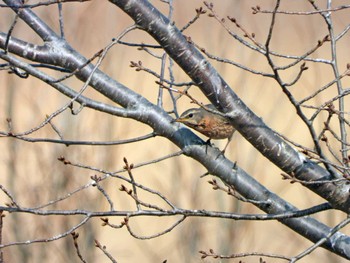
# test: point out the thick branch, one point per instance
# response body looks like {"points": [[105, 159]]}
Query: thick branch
{"points": [[223, 97], [140, 109]]}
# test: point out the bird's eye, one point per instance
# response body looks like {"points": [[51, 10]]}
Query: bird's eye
{"points": [[190, 115]]}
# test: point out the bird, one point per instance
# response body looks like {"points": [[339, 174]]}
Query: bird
{"points": [[213, 126]]}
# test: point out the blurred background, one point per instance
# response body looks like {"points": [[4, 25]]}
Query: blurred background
{"points": [[34, 176]]}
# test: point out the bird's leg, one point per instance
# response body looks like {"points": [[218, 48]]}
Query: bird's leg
{"points": [[228, 142], [224, 150], [207, 143]]}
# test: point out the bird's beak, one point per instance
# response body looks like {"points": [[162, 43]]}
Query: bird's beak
{"points": [[181, 120]]}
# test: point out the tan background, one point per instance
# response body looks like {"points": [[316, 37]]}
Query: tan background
{"points": [[33, 175]]}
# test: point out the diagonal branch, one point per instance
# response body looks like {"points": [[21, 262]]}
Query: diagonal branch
{"points": [[57, 52], [223, 97]]}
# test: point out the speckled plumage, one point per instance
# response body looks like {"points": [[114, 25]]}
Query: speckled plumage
{"points": [[212, 125]]}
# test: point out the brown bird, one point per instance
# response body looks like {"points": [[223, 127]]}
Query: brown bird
{"points": [[212, 125]]}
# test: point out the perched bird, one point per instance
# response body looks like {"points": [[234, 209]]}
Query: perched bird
{"points": [[212, 125]]}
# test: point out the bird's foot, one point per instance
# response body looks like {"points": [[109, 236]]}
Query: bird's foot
{"points": [[222, 153], [207, 143]]}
